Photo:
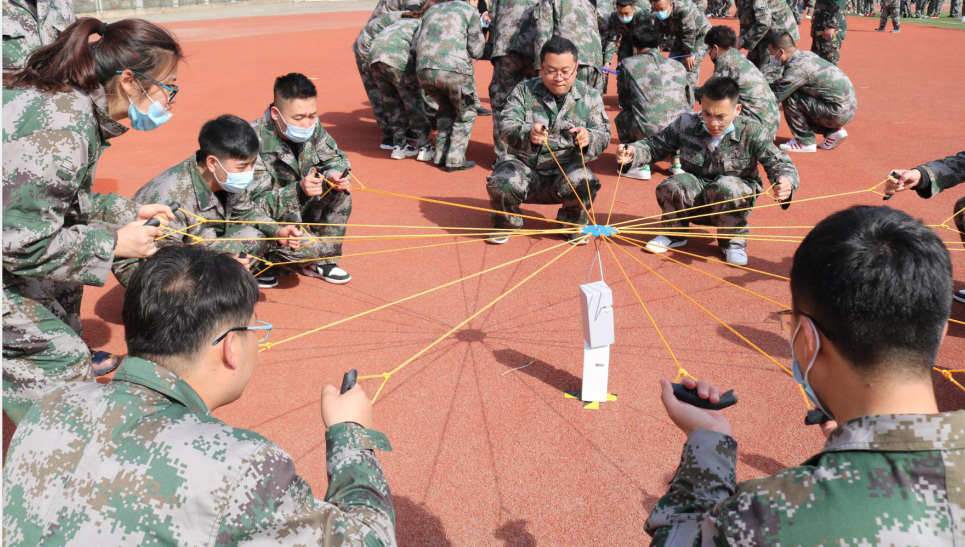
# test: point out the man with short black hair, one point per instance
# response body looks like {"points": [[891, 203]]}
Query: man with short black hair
{"points": [[213, 184], [301, 173], [719, 152], [869, 310], [143, 460], [553, 116]]}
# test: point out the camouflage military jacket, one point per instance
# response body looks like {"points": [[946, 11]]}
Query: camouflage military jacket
{"points": [[756, 98], [363, 42], [142, 461], [387, 6], [811, 74], [880, 480], [514, 27], [278, 171], [450, 38], [393, 46], [616, 33], [760, 17], [829, 14], [54, 227], [659, 90], [941, 174], [574, 20], [685, 28], [531, 103], [737, 155], [24, 31]]}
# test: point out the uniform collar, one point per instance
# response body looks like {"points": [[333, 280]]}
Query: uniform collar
{"points": [[109, 127], [206, 198], [900, 433], [145, 373], [548, 95], [271, 142]]}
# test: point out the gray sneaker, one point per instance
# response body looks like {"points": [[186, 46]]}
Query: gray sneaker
{"points": [[401, 153]]}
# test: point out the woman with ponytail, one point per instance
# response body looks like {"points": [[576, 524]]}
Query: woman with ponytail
{"points": [[58, 236]]}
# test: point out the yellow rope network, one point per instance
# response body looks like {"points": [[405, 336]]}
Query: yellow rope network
{"points": [[629, 230]]}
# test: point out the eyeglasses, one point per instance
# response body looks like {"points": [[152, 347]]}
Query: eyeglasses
{"points": [[784, 318], [565, 74], [172, 89], [260, 326]]}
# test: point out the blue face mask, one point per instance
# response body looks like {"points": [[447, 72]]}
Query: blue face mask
{"points": [[722, 135], [295, 133], [625, 19], [662, 15], [155, 117], [802, 377], [235, 182]]}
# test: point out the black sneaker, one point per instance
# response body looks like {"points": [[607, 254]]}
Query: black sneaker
{"points": [[480, 111], [959, 295], [329, 272], [463, 167], [266, 281], [387, 143]]}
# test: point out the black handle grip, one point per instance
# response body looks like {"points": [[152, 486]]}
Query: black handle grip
{"points": [[348, 381], [690, 396], [816, 417], [153, 222], [344, 173], [175, 205], [242, 254]]}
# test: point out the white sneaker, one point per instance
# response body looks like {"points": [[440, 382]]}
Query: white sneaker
{"points": [[639, 173], [959, 295], [677, 168], [834, 140], [401, 153], [329, 272], [426, 153], [497, 239], [795, 145], [735, 256], [662, 244]]}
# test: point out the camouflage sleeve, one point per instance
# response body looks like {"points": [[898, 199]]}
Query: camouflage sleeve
{"points": [[598, 126], [113, 210], [829, 14], [942, 174], [545, 17], [476, 41], [776, 162], [275, 201], [762, 23], [705, 477], [625, 81], [512, 121], [790, 81], [39, 194], [611, 39], [658, 146], [246, 210], [689, 32], [270, 503], [333, 160]]}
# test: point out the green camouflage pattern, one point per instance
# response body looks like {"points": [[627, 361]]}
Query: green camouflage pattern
{"points": [[658, 92], [450, 38], [941, 175], [828, 14], [514, 183], [616, 34], [142, 461], [450, 100], [756, 98], [276, 187], [684, 31], [387, 6], [393, 45], [392, 60], [817, 96], [362, 49], [719, 8], [514, 27], [508, 71], [26, 29], [879, 480], [890, 8], [759, 20], [574, 20]]}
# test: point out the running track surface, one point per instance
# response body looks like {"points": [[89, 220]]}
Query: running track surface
{"points": [[482, 458]]}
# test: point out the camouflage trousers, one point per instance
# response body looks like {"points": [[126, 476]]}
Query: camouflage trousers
{"points": [[403, 104], [699, 54], [935, 7], [591, 76], [703, 197], [333, 208], [830, 50], [905, 8], [719, 8], [920, 7], [956, 9], [960, 218], [451, 100], [806, 115], [795, 6], [375, 98], [42, 347], [890, 10], [513, 183], [508, 71]]}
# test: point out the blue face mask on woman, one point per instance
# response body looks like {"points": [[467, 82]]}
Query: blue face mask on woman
{"points": [[155, 117], [235, 183], [802, 377], [295, 133]]}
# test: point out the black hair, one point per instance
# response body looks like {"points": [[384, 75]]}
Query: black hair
{"points": [[722, 37], [626, 3], [227, 137], [294, 86], [180, 300], [645, 35], [881, 283], [558, 45], [782, 40], [719, 88]]}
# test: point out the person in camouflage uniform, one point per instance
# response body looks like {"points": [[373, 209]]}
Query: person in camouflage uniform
{"points": [[756, 98], [719, 9], [817, 97], [576, 21], [30, 25], [955, 10], [301, 173], [684, 25], [143, 460], [930, 179], [514, 32], [795, 7], [828, 29], [388, 6], [720, 152], [563, 112], [935, 8], [889, 8], [658, 92], [447, 44], [888, 473], [203, 186], [617, 36], [759, 21], [57, 234], [362, 49]]}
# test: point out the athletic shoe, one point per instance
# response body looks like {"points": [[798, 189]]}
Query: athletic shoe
{"points": [[426, 153], [403, 152], [882, 29], [735, 256], [463, 167], [578, 238], [677, 168], [387, 144], [795, 145], [497, 239], [896, 31], [329, 272], [807, 16], [266, 281], [480, 111], [662, 244], [639, 173], [833, 140], [959, 295]]}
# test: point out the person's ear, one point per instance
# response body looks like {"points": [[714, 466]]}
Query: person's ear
{"points": [[273, 112], [944, 332], [738, 109], [127, 84], [810, 339], [230, 355], [211, 163]]}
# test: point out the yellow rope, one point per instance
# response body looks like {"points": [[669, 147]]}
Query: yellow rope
{"points": [[575, 194]]}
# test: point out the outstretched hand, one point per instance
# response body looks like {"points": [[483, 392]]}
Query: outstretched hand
{"points": [[690, 418], [900, 180]]}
